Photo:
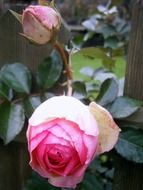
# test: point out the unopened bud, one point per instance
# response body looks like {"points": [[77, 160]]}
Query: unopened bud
{"points": [[40, 23]]}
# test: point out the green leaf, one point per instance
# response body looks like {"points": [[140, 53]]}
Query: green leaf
{"points": [[124, 107], [91, 182], [93, 53], [106, 30], [97, 165], [38, 183], [29, 39], [79, 89], [130, 145], [119, 52], [90, 25], [111, 42], [87, 71], [102, 76], [46, 96], [30, 104], [5, 91], [17, 76], [108, 92], [12, 120], [50, 70]]}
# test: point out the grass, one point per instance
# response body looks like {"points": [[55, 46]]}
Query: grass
{"points": [[78, 62]]}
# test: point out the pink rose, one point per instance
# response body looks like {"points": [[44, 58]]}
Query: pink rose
{"points": [[40, 23], [63, 138]]}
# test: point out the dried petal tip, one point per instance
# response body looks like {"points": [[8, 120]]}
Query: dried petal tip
{"points": [[108, 130]]}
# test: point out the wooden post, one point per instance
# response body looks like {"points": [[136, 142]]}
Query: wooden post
{"points": [[14, 167], [128, 175]]}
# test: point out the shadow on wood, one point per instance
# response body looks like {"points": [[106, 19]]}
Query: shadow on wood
{"points": [[128, 175], [14, 167]]}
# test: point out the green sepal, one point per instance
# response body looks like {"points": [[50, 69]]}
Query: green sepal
{"points": [[52, 4], [30, 39], [43, 2], [17, 16]]}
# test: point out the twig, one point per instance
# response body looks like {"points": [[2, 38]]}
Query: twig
{"points": [[66, 61]]}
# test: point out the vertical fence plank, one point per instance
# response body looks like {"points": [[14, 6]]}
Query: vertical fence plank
{"points": [[14, 168], [134, 70], [128, 175]]}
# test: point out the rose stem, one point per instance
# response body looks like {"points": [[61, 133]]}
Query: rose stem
{"points": [[66, 61]]}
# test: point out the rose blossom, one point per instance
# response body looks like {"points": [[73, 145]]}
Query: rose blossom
{"points": [[63, 138], [40, 23]]}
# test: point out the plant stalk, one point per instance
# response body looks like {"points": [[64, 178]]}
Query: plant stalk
{"points": [[67, 63]]}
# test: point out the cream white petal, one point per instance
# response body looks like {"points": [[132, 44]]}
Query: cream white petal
{"points": [[108, 130], [66, 107]]}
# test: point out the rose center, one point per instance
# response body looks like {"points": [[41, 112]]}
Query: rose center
{"points": [[55, 157]]}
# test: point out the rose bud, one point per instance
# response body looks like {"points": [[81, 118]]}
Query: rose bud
{"points": [[40, 23], [63, 138]]}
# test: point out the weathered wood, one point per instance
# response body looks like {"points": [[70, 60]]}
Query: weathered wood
{"points": [[14, 167], [134, 70], [128, 175]]}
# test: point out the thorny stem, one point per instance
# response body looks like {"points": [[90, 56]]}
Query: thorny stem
{"points": [[67, 63]]}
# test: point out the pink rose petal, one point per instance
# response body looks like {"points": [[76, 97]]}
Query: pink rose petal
{"points": [[67, 181]]}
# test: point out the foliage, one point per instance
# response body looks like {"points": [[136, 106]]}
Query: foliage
{"points": [[19, 98], [130, 145], [38, 183], [49, 71], [104, 87], [21, 93], [12, 120], [17, 77], [108, 25], [100, 80]]}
